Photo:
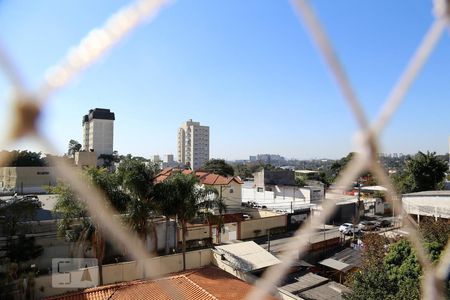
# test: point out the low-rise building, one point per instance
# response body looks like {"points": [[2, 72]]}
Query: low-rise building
{"points": [[244, 260], [25, 180], [312, 286], [85, 159], [229, 188], [434, 204]]}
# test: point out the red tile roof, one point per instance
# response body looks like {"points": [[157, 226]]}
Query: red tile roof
{"points": [[206, 283], [204, 177]]}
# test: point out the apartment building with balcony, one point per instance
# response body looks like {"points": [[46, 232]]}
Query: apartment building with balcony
{"points": [[193, 144]]}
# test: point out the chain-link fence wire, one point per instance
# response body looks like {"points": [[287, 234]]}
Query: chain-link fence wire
{"points": [[28, 105]]}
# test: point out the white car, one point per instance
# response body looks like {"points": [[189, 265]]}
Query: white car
{"points": [[348, 228]]}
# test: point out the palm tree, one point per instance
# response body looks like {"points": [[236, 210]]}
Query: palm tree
{"points": [[186, 199], [136, 179], [76, 226], [165, 207], [74, 222]]}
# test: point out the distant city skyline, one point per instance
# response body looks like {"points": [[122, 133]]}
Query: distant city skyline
{"points": [[247, 69]]}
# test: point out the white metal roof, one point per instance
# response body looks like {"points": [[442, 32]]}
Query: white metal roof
{"points": [[247, 256], [374, 188], [334, 264]]}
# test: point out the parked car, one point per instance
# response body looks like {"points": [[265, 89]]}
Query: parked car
{"points": [[348, 228], [383, 223], [367, 225]]}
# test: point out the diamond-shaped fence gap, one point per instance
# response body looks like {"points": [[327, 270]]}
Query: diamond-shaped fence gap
{"points": [[318, 34], [105, 216], [413, 69], [297, 247]]}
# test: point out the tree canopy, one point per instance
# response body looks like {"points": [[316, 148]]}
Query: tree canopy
{"points": [[423, 172], [218, 166], [393, 272], [74, 146], [185, 199], [24, 158]]}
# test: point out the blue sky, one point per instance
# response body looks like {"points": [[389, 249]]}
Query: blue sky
{"points": [[245, 68]]}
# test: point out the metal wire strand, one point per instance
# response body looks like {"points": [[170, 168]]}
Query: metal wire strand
{"points": [[96, 44], [10, 70], [99, 41], [411, 72], [318, 34], [107, 218], [297, 247]]}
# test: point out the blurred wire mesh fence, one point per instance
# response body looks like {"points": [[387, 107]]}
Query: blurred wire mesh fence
{"points": [[29, 104]]}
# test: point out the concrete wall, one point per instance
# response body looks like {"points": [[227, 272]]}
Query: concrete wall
{"points": [[232, 196], [276, 201], [53, 248], [249, 227], [27, 179], [195, 232], [229, 233], [133, 270], [85, 159], [160, 227], [275, 177]]}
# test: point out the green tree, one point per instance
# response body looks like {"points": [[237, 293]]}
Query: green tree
{"points": [[109, 159], [423, 172], [404, 270], [14, 213], [435, 234], [75, 224], [394, 274], [218, 166], [136, 179], [74, 146], [187, 199], [15, 210], [325, 178], [300, 180], [165, 207], [243, 171], [339, 165], [23, 158]]}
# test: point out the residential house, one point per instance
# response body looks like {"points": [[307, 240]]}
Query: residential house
{"points": [[208, 283], [229, 188]]}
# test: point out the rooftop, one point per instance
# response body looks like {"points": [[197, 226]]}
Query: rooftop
{"points": [[429, 193], [313, 286], [343, 261], [247, 256], [204, 177], [205, 283], [99, 113]]}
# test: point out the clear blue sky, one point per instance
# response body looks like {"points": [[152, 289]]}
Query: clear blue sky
{"points": [[245, 68]]}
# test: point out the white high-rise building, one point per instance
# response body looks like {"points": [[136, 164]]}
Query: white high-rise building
{"points": [[98, 131], [193, 144]]}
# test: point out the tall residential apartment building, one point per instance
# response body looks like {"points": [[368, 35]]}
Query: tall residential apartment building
{"points": [[98, 131], [193, 144]]}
